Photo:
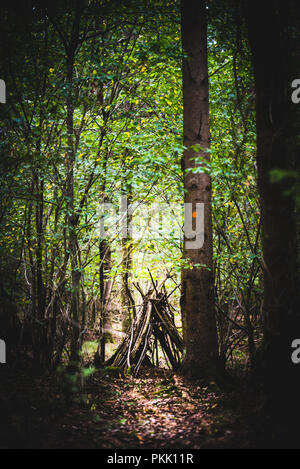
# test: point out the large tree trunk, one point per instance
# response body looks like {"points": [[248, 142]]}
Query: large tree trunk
{"points": [[197, 302], [272, 39]]}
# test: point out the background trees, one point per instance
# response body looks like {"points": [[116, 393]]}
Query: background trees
{"points": [[91, 109], [95, 111]]}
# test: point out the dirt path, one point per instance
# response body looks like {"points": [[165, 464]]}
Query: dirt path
{"points": [[155, 410]]}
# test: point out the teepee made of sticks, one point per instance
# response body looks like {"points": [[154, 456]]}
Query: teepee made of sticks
{"points": [[152, 334]]}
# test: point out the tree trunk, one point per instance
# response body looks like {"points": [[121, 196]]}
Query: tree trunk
{"points": [[72, 216], [105, 283], [41, 339], [105, 298], [127, 301], [273, 43], [197, 300]]}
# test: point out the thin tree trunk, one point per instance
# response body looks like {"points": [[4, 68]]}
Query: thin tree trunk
{"points": [[41, 332], [105, 298], [127, 301], [105, 282], [72, 216]]}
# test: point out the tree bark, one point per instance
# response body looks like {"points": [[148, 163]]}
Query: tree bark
{"points": [[127, 301], [72, 216], [272, 34], [197, 299], [106, 288]]}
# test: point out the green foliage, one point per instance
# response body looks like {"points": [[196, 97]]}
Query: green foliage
{"points": [[127, 138]]}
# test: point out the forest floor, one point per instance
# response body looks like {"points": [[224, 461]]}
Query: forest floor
{"points": [[158, 409]]}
